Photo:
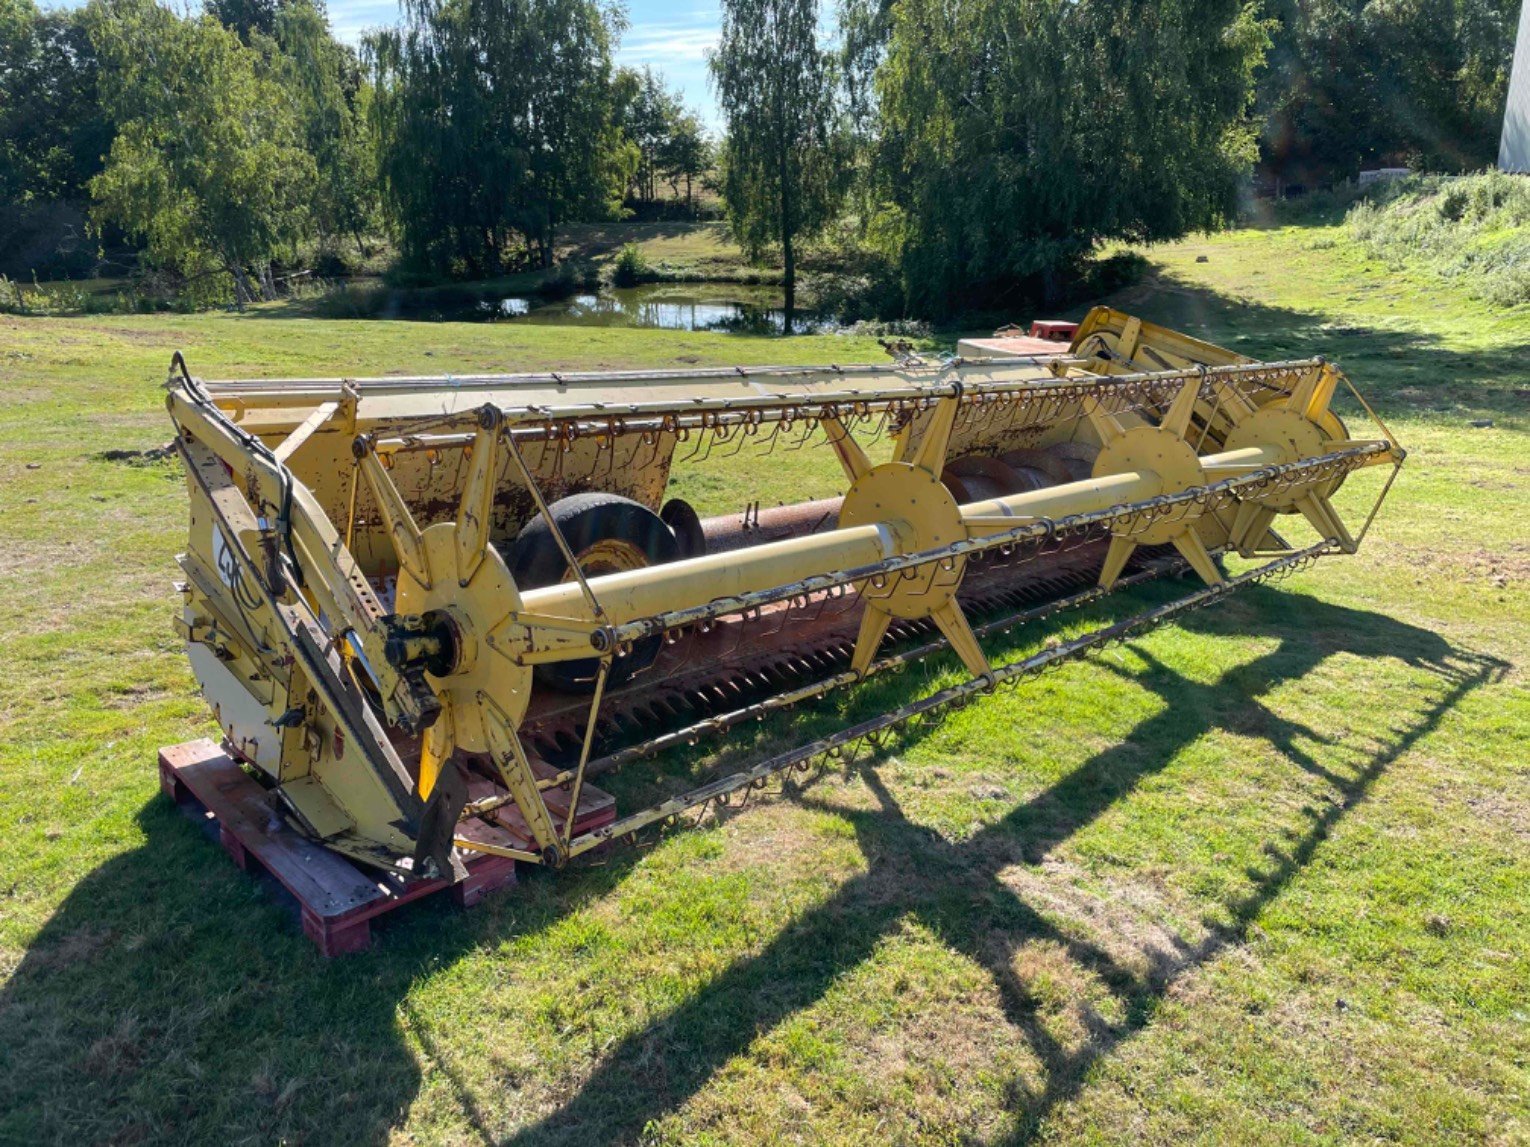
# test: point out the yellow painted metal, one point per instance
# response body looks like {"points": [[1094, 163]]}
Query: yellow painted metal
{"points": [[475, 605], [319, 650], [514, 769], [1087, 496], [642, 593], [914, 506], [266, 659]]}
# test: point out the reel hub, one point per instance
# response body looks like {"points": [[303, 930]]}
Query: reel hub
{"points": [[467, 610], [924, 516]]}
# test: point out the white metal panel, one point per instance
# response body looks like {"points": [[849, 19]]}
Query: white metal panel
{"points": [[1514, 147]]}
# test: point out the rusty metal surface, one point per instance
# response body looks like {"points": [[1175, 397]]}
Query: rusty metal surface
{"points": [[774, 615], [755, 524], [737, 659], [621, 434]]}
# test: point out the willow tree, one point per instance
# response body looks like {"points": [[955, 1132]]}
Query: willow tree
{"points": [[495, 127], [1015, 136], [782, 157], [325, 80]]}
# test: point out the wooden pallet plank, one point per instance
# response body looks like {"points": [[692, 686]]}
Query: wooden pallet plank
{"points": [[336, 898], [596, 808], [337, 938], [486, 874], [323, 883]]}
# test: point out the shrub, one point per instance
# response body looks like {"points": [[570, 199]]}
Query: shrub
{"points": [[1471, 229], [568, 279], [631, 266], [61, 298], [332, 263]]}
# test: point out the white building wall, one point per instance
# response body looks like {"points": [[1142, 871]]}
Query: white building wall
{"points": [[1514, 147]]}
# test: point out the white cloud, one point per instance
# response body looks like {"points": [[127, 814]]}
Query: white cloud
{"points": [[666, 44], [351, 18]]}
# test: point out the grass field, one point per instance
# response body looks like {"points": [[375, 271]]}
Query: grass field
{"points": [[1260, 876]]}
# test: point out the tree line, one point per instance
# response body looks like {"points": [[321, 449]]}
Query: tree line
{"points": [[987, 148], [221, 142], [957, 152]]}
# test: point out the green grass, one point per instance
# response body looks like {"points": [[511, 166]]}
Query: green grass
{"points": [[1473, 230], [1262, 875]]}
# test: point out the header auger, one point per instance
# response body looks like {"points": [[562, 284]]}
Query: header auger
{"points": [[428, 612]]}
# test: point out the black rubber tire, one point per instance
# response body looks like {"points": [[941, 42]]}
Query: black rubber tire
{"points": [[681, 517], [585, 519]]}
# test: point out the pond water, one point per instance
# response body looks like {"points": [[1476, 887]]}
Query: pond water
{"points": [[740, 308]]}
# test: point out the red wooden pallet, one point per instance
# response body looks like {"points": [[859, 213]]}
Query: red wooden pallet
{"points": [[337, 899]]}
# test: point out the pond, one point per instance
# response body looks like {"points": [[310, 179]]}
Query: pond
{"points": [[740, 308]]}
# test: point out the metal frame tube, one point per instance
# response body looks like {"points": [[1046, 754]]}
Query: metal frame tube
{"points": [[734, 582]]}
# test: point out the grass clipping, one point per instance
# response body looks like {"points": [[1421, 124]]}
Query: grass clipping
{"points": [[1472, 229]]}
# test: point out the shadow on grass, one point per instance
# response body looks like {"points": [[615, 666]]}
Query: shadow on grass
{"points": [[172, 997], [167, 998], [955, 889]]}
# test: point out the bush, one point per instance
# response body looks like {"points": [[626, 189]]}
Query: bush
{"points": [[62, 298], [890, 328], [1471, 229], [631, 266], [867, 294], [332, 263]]}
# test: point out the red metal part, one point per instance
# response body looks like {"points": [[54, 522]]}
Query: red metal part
{"points": [[1054, 330]]}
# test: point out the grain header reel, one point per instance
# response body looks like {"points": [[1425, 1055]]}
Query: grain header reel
{"points": [[429, 612]]}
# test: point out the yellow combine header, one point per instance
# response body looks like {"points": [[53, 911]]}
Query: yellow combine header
{"points": [[428, 612]]}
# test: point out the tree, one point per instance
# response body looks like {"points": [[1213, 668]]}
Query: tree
{"points": [[649, 111], [864, 27], [669, 140], [246, 17], [1441, 72], [53, 132], [1014, 136], [325, 78], [686, 154], [208, 168], [1353, 83], [495, 124], [783, 155]]}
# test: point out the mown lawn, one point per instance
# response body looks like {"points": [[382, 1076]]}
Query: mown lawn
{"points": [[1262, 875]]}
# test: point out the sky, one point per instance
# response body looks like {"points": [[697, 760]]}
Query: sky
{"points": [[672, 36]]}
